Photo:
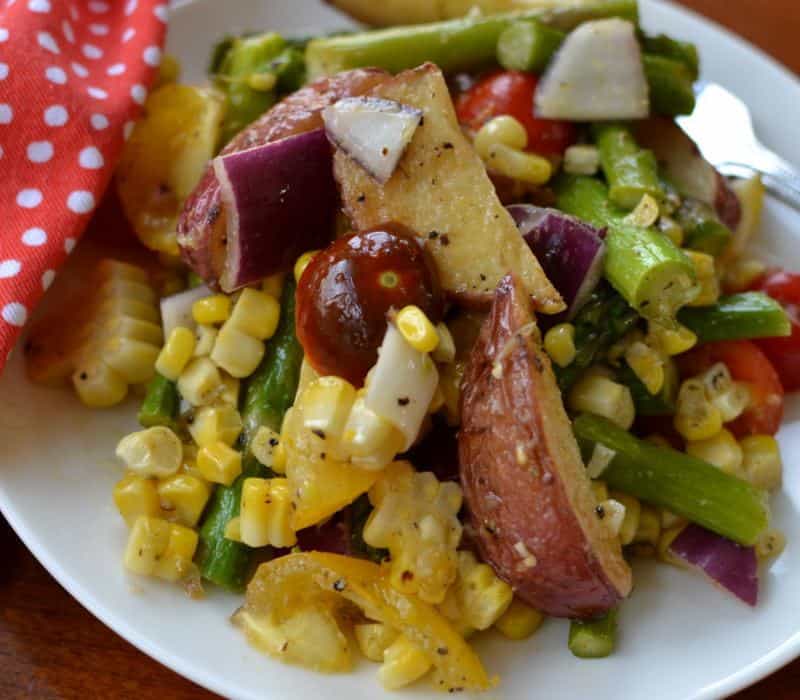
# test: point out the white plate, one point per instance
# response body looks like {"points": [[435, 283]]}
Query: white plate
{"points": [[681, 638]]}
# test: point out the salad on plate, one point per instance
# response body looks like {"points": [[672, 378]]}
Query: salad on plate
{"points": [[436, 327]]}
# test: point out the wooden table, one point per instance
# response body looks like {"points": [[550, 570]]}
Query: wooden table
{"points": [[51, 648]]}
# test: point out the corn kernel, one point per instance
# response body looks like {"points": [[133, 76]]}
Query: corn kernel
{"points": [[110, 268], [731, 398], [183, 498], [200, 382], [671, 341], [582, 159], [205, 337], [417, 329], [482, 596], [599, 461], [127, 289], [176, 561], [216, 424], [211, 310], [219, 463], [97, 385], [599, 490], [670, 520], [559, 343], [302, 263], [665, 541], [236, 352], [176, 353], [273, 285], [133, 359], [279, 459], [256, 314], [120, 306], [671, 229], [158, 548], [696, 418], [722, 451], [705, 271], [233, 529], [154, 452], [445, 350], [770, 544], [647, 365], [263, 445], [612, 513], [370, 440], [229, 391], [597, 394], [127, 327], [519, 621], [761, 461], [504, 129], [135, 496], [742, 273], [403, 663], [518, 165], [373, 638], [649, 529], [326, 406], [633, 513], [265, 514]]}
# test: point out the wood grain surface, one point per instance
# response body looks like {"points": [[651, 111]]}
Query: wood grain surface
{"points": [[52, 649]]}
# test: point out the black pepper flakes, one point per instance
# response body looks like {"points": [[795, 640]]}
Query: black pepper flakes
{"points": [[433, 235], [447, 145], [403, 401], [319, 433], [273, 442], [600, 512], [442, 651], [339, 585], [361, 198], [444, 239]]}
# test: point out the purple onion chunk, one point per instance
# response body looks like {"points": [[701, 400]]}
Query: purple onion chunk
{"points": [[570, 251], [726, 563]]}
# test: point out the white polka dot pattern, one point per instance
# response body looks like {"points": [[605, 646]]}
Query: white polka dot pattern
{"points": [[34, 237], [40, 151]]}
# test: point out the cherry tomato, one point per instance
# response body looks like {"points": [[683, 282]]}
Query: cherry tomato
{"points": [[511, 93], [347, 289], [748, 364], [784, 353]]}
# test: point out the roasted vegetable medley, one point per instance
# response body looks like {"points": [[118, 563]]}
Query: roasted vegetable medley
{"points": [[443, 324]]}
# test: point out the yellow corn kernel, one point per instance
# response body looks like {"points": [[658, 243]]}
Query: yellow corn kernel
{"points": [[266, 510], [263, 445], [600, 490], [273, 285], [706, 274], [216, 424], [176, 561], [200, 382], [279, 459], [97, 385], [599, 461], [633, 514], [236, 352], [445, 350], [176, 353], [671, 520], [211, 310], [183, 498], [696, 418], [581, 159], [731, 398], [120, 306], [519, 621], [135, 496], [559, 343], [649, 529], [133, 359], [302, 263], [417, 329], [127, 289], [671, 229], [154, 452], [647, 364], [505, 130], [518, 165], [205, 337], [326, 406], [256, 314], [761, 461], [722, 451], [482, 596], [403, 663], [233, 529], [373, 638], [159, 548], [770, 544], [110, 268], [665, 540], [229, 392], [219, 463], [594, 393], [370, 440], [612, 513], [671, 341], [741, 273], [127, 327]]}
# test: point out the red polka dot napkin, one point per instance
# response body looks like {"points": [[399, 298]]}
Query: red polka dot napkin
{"points": [[73, 76]]}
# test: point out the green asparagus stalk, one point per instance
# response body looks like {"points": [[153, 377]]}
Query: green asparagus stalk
{"points": [[644, 266], [681, 51], [161, 403], [528, 46], [671, 85], [268, 395], [631, 172], [739, 316], [702, 228], [454, 45], [593, 639], [687, 486]]}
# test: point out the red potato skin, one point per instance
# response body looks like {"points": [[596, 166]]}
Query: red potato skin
{"points": [[542, 499], [201, 226]]}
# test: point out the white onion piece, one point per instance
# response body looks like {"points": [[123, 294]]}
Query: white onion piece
{"points": [[596, 74], [176, 310], [372, 131], [401, 385]]}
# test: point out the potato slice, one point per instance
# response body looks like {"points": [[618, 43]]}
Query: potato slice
{"points": [[525, 486], [441, 190]]}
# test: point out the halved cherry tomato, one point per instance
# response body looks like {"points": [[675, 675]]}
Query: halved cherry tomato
{"points": [[784, 353], [511, 93], [748, 364]]}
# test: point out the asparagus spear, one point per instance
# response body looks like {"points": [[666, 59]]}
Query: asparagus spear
{"points": [[528, 46], [593, 639], [631, 172], [687, 486], [161, 403], [269, 393], [739, 316], [702, 228], [645, 267], [454, 45], [671, 85], [681, 51]]}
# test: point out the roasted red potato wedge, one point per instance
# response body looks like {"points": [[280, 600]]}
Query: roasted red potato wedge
{"points": [[525, 485]]}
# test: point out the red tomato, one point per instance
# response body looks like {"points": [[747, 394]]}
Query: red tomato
{"points": [[784, 353], [511, 92], [750, 365]]}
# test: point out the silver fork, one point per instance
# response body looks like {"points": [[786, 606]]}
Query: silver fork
{"points": [[722, 127]]}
